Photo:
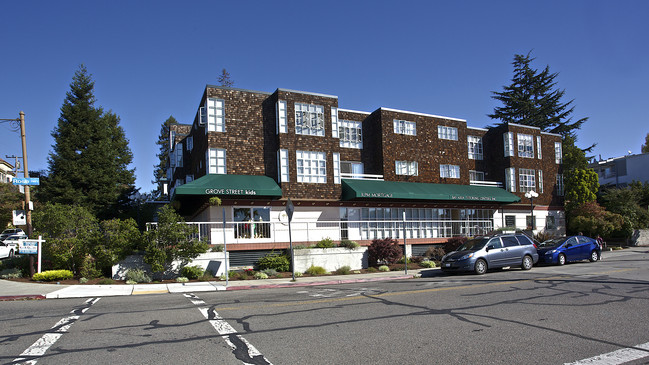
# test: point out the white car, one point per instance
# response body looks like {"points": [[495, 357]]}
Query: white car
{"points": [[9, 246], [10, 232]]}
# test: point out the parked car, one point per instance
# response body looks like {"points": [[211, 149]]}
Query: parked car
{"points": [[10, 231], [567, 249], [490, 252], [9, 246]]}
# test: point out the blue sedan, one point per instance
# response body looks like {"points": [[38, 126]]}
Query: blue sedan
{"points": [[567, 249]]}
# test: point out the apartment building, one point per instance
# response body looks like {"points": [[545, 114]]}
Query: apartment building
{"points": [[355, 175], [622, 171], [6, 171]]}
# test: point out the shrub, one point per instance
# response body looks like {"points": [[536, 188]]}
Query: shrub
{"points": [[12, 273], [410, 260], [301, 247], [316, 270], [428, 264], [182, 279], [325, 243], [372, 269], [384, 268], [88, 268], [398, 268], [349, 244], [274, 261], [192, 272], [52, 275], [106, 281], [270, 272], [207, 276], [435, 253], [453, 243], [130, 282], [83, 280], [298, 274], [138, 276], [261, 275], [217, 248], [344, 270], [385, 250]]}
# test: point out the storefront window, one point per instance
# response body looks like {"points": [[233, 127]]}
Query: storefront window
{"points": [[252, 223]]}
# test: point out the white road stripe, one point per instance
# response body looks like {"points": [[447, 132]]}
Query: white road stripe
{"points": [[617, 357], [46, 341], [226, 330]]}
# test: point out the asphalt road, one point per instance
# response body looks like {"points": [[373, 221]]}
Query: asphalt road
{"points": [[549, 315]]}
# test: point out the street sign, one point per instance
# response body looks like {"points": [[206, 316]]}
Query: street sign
{"points": [[19, 218], [290, 208], [25, 181]]}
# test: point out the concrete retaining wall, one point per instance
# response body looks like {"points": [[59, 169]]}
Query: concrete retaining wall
{"points": [[214, 261], [640, 237], [330, 258]]}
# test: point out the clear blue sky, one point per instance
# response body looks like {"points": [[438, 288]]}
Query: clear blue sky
{"points": [[152, 59]]}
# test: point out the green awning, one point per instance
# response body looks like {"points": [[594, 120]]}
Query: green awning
{"points": [[377, 189], [248, 185]]}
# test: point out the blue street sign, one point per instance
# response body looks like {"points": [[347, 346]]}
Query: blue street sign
{"points": [[25, 181]]}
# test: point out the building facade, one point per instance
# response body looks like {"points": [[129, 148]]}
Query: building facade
{"points": [[353, 174], [6, 172], [622, 171]]}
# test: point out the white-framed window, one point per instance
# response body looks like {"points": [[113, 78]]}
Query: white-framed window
{"points": [[190, 143], [450, 171], [410, 168], [351, 134], [216, 161], [311, 167], [559, 184], [282, 157], [445, 132], [525, 145], [475, 147], [309, 119], [334, 122], [352, 169], [527, 180], [215, 115], [280, 111], [179, 155], [538, 147], [405, 127], [510, 179], [476, 175], [336, 158], [540, 181], [558, 153], [508, 142]]}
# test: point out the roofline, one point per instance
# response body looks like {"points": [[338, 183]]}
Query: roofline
{"points": [[479, 129], [552, 134], [236, 89], [422, 114], [308, 93], [523, 126], [353, 111]]}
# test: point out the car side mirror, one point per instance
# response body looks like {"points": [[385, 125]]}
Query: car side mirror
{"points": [[490, 247], [569, 245]]}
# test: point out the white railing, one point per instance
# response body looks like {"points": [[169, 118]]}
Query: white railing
{"points": [[496, 184], [347, 175], [314, 231]]}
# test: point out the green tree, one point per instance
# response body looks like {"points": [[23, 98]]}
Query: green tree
{"points": [[10, 198], [89, 162], [592, 219], [532, 99], [171, 240], [225, 80], [630, 202], [581, 186], [160, 169], [645, 146]]}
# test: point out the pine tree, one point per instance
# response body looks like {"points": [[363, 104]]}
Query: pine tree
{"points": [[532, 99], [89, 162], [225, 80], [160, 170], [645, 146]]}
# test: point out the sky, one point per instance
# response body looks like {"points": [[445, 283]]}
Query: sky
{"points": [[152, 59]]}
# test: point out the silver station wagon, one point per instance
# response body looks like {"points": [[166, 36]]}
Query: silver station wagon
{"points": [[490, 252]]}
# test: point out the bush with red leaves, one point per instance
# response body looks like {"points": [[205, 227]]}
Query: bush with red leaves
{"points": [[386, 251]]}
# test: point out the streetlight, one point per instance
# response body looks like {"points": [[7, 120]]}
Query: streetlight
{"points": [[531, 195]]}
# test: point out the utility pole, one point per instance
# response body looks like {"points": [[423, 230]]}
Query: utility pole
{"points": [[26, 173]]}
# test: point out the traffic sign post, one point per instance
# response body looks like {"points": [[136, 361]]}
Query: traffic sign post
{"points": [[290, 208]]}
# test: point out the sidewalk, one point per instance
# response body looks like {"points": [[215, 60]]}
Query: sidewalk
{"points": [[11, 290]]}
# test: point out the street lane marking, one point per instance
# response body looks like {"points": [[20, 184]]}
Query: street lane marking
{"points": [[38, 348], [616, 357], [241, 348]]}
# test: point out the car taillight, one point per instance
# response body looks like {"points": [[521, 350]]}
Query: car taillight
{"points": [[535, 246]]}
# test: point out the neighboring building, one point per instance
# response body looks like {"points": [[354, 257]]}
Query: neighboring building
{"points": [[6, 171], [621, 171], [353, 174]]}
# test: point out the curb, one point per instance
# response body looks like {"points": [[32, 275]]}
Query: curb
{"points": [[21, 297], [315, 283]]}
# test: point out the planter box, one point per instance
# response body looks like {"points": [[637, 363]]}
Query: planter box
{"points": [[214, 261], [330, 258]]}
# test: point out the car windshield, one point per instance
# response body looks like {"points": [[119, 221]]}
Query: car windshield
{"points": [[473, 245], [551, 243]]}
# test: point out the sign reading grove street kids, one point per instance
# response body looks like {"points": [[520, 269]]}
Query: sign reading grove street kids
{"points": [[230, 191]]}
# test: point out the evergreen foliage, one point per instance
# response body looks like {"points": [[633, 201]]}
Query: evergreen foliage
{"points": [[532, 99], [160, 170], [630, 202], [645, 146], [581, 186], [592, 219], [89, 162], [10, 198], [224, 79]]}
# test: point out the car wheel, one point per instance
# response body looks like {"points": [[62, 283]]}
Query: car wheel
{"points": [[594, 256], [480, 267], [562, 259], [527, 263]]}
